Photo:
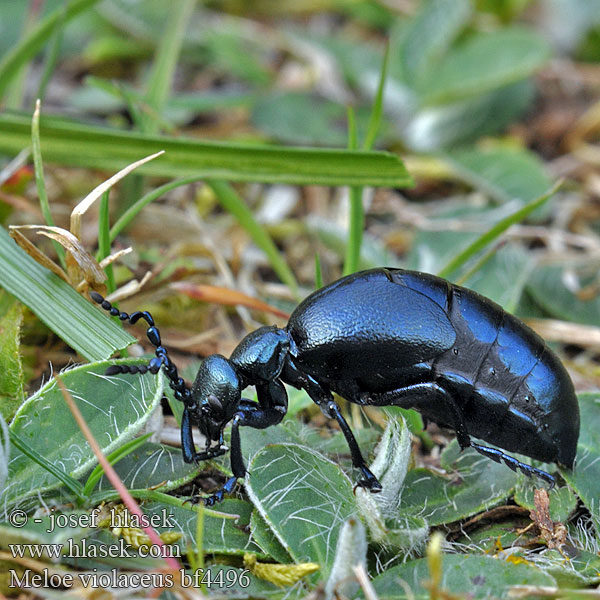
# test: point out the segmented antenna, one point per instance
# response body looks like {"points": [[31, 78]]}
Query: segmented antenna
{"points": [[162, 359]]}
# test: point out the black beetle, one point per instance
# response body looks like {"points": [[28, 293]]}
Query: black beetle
{"points": [[378, 338]]}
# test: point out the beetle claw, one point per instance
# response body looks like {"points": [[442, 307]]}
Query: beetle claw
{"points": [[372, 485]]}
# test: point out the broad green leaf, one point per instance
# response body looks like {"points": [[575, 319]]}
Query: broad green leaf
{"points": [[450, 124], [472, 576], [501, 277], [580, 570], [504, 276], [494, 232], [26, 49], [300, 118], [503, 173], [74, 144], [81, 325], [254, 440], [97, 552], [304, 498], [482, 484], [484, 63], [221, 535], [41, 530], [265, 538], [548, 288], [11, 380], [585, 478], [232, 51], [428, 36], [492, 537], [335, 443], [432, 249], [151, 466], [359, 61], [115, 408]]}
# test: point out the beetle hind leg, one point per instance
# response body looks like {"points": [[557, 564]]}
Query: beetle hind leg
{"points": [[514, 464]]}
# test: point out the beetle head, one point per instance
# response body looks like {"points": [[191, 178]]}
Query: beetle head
{"points": [[216, 394]]}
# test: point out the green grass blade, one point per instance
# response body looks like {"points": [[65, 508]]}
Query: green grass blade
{"points": [[34, 41], [52, 54], [129, 215], [113, 459], [165, 61], [236, 206], [104, 240], [357, 215], [80, 324], [352, 129], [377, 110], [40, 181], [74, 144], [318, 273], [70, 483], [489, 236], [355, 233], [16, 91]]}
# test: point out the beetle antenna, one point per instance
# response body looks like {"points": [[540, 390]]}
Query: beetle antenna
{"points": [[162, 359]]}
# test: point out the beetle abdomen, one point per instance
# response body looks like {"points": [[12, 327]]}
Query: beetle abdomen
{"points": [[512, 389]]}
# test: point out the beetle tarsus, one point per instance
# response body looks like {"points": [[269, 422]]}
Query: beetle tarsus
{"points": [[370, 482], [514, 464]]}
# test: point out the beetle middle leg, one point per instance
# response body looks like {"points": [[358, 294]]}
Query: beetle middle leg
{"points": [[270, 410], [420, 395]]}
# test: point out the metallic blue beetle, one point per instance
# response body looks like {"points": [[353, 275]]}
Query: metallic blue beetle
{"points": [[385, 337]]}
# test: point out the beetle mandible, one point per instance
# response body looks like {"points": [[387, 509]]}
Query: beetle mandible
{"points": [[385, 337]]}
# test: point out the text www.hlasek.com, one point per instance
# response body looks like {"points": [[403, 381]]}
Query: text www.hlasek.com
{"points": [[83, 549]]}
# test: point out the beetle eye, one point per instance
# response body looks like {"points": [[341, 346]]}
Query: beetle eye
{"points": [[215, 406]]}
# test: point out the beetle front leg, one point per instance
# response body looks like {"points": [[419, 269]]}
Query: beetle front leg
{"points": [[270, 410], [324, 400], [187, 442]]}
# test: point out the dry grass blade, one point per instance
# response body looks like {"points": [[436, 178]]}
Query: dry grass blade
{"points": [[109, 260], [37, 254], [554, 330], [97, 192], [129, 289], [81, 263], [226, 296]]}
